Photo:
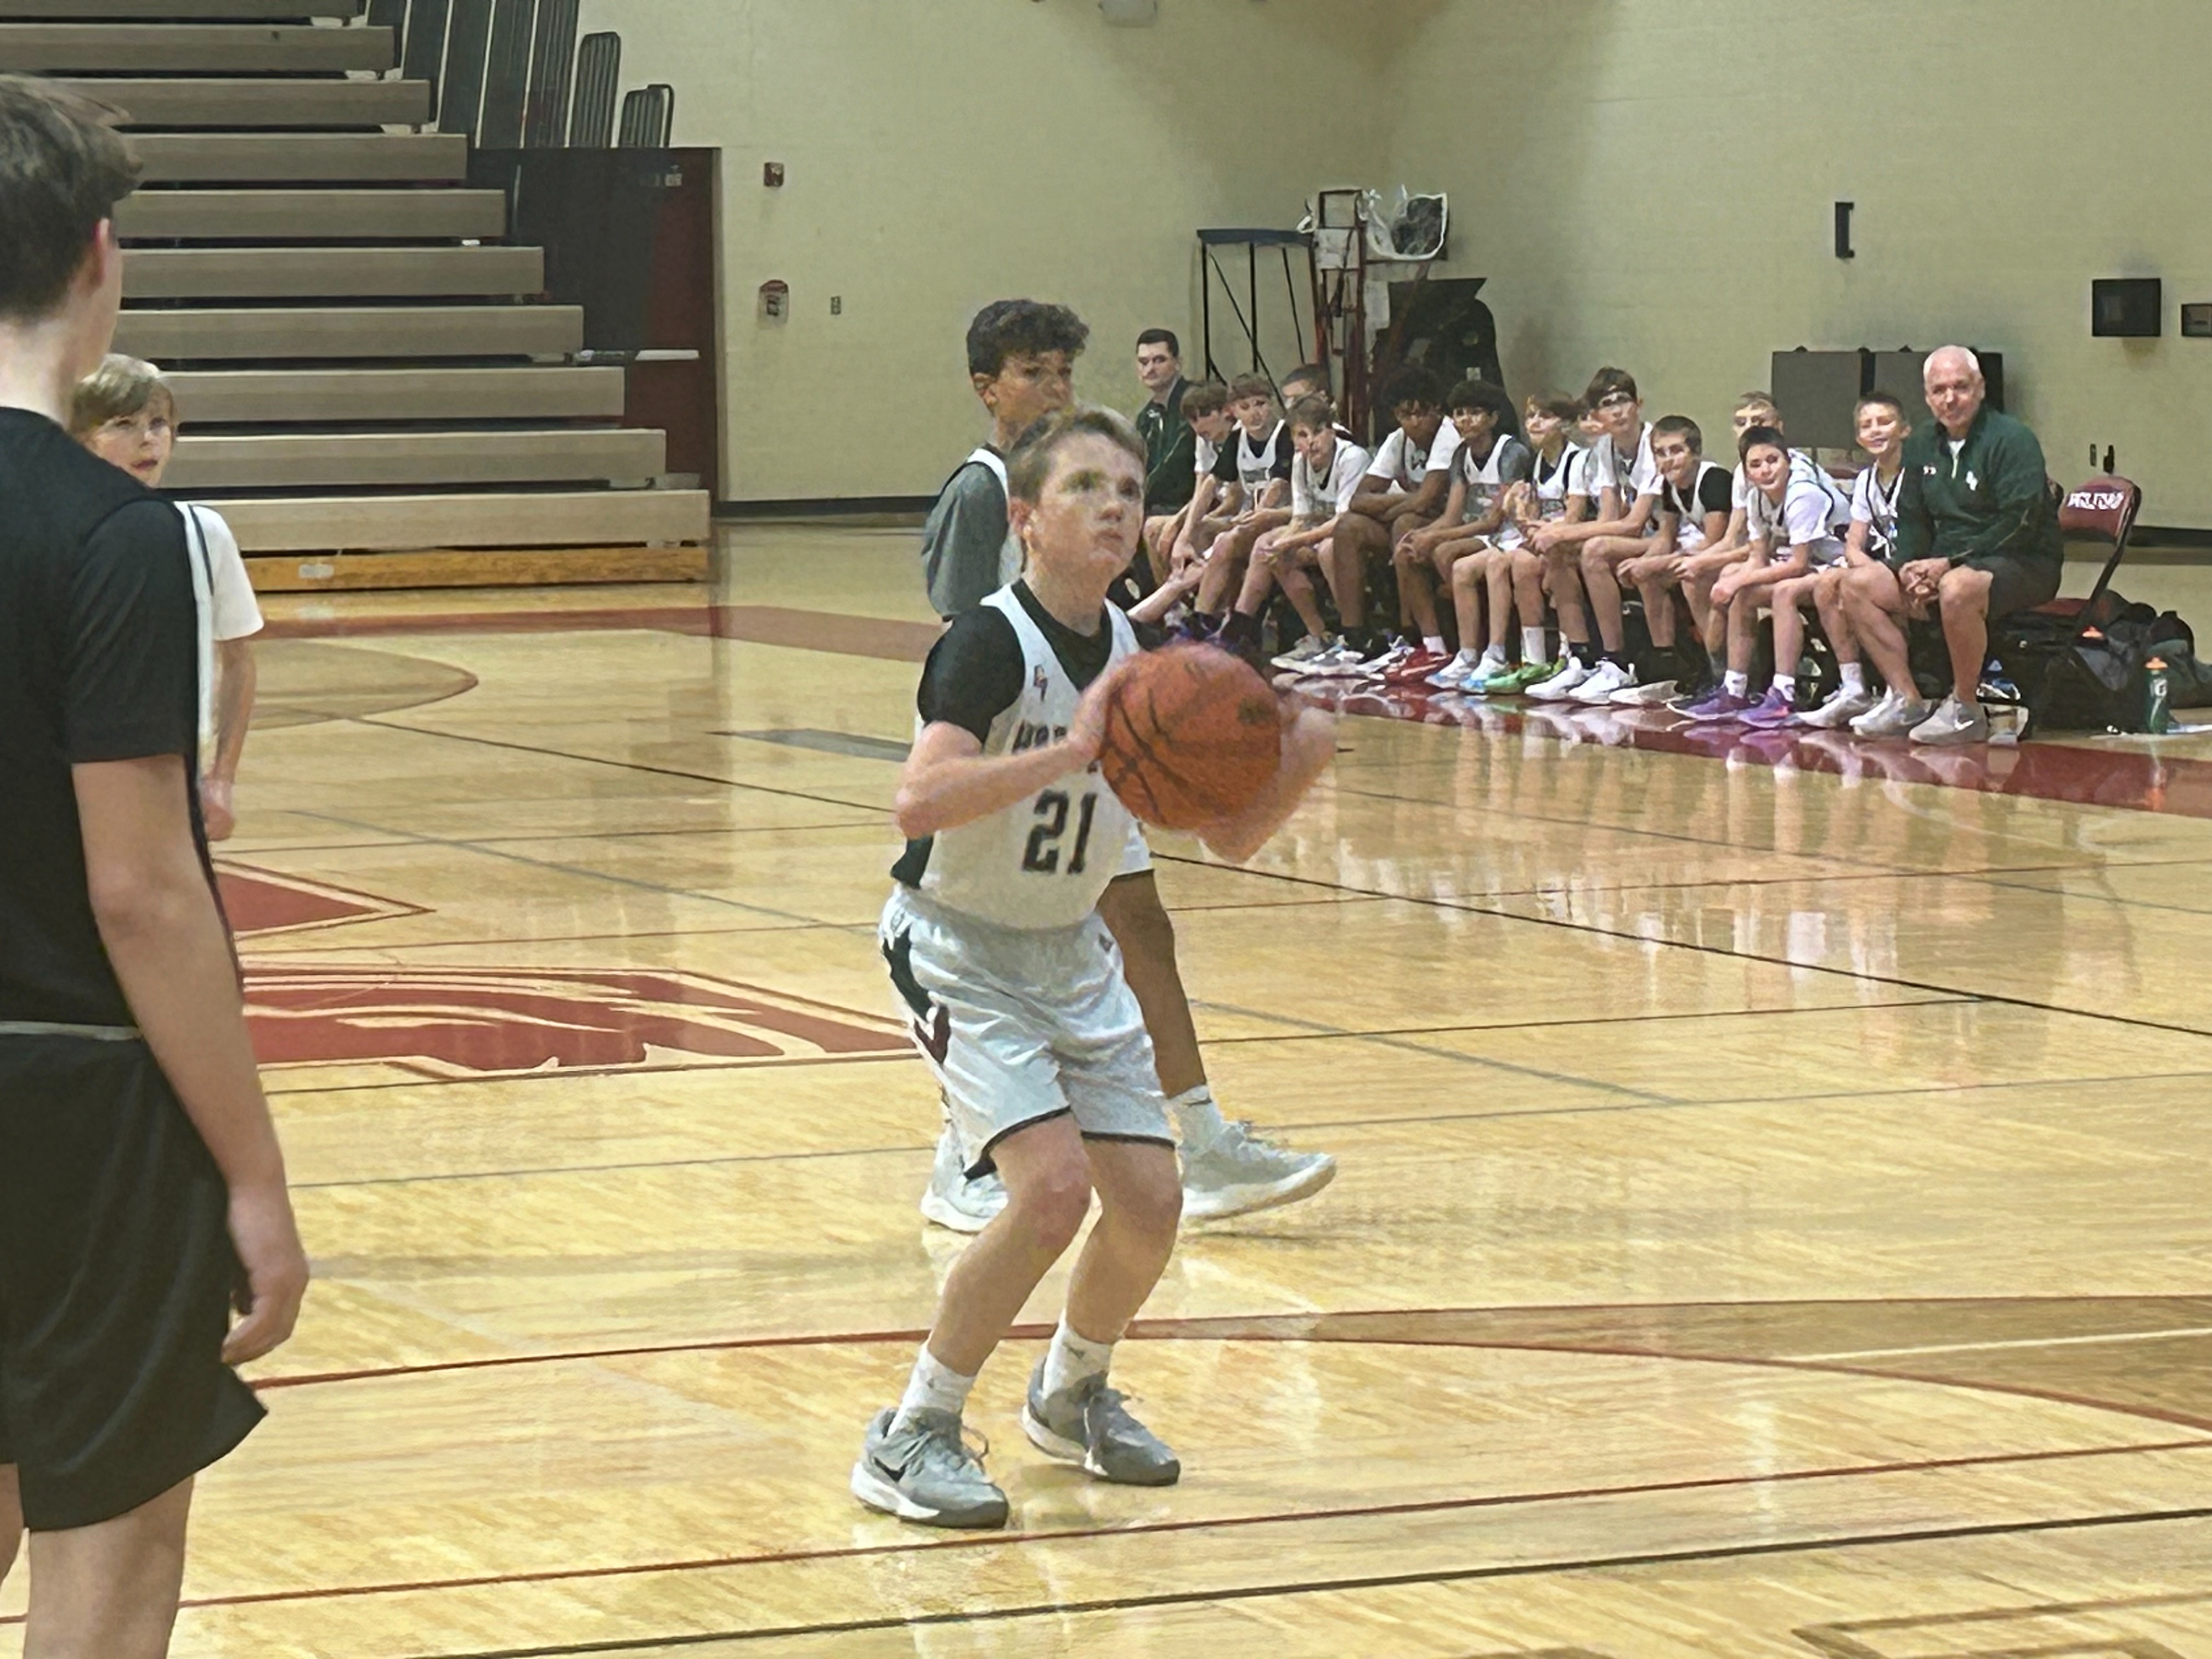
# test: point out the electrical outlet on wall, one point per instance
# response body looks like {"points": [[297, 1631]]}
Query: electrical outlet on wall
{"points": [[836, 305]]}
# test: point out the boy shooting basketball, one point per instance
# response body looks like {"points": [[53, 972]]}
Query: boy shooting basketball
{"points": [[1020, 355], [996, 945], [142, 1189]]}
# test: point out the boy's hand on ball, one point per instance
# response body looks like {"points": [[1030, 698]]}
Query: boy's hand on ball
{"points": [[1086, 732]]}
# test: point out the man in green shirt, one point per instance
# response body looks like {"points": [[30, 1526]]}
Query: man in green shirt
{"points": [[1976, 539], [1170, 446]]}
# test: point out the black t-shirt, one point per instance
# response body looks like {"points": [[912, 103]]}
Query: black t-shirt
{"points": [[98, 661], [974, 673]]}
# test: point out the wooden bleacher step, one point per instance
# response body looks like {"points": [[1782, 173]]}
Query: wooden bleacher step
{"points": [[303, 273], [355, 395], [298, 157], [177, 48], [376, 524], [387, 460], [342, 332], [312, 215], [211, 101]]}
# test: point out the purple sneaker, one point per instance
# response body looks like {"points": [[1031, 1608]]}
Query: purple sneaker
{"points": [[1771, 710], [1719, 705]]}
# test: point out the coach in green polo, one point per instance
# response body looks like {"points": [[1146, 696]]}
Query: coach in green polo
{"points": [[1976, 539]]}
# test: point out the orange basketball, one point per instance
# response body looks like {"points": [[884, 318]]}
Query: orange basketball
{"points": [[1193, 735]]}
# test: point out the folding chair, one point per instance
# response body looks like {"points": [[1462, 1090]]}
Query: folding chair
{"points": [[2102, 510]]}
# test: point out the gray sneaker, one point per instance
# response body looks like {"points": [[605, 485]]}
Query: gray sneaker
{"points": [[1240, 1171], [1087, 1424], [925, 1472], [1892, 717], [1953, 721], [954, 1201]]}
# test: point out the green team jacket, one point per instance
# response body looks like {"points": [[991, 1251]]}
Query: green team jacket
{"points": [[1993, 499], [1170, 451]]}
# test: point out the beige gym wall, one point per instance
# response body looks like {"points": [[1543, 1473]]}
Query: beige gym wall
{"points": [[945, 153], [1649, 182]]}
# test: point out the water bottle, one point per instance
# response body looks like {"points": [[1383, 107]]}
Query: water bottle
{"points": [[2157, 715]]}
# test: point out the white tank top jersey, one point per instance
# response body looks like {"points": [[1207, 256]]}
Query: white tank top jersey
{"points": [[1043, 862], [1255, 468], [1688, 508], [1551, 486], [1011, 554], [1484, 485]]}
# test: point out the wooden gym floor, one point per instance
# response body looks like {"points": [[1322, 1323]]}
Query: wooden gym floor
{"points": [[1772, 1217]]}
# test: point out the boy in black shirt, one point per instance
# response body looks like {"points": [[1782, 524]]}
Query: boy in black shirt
{"points": [[141, 1184]]}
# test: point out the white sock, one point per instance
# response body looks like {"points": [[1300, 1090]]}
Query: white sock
{"points": [[1072, 1358], [1787, 685], [1736, 684], [1532, 645], [1493, 656], [1854, 677], [1198, 1120], [933, 1386], [1465, 658], [1433, 642]]}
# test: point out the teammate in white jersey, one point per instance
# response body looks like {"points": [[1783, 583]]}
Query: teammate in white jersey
{"points": [[1694, 516], [1881, 430], [125, 413], [1016, 988], [1796, 526]]}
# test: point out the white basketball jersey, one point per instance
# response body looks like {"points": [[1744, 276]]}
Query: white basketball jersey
{"points": [[1255, 468], [1011, 553], [1551, 486], [1045, 861], [1484, 486]]}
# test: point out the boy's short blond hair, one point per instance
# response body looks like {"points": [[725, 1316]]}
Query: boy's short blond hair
{"points": [[121, 387]]}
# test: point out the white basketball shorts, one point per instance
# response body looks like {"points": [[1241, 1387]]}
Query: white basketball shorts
{"points": [[1137, 858], [1021, 1025]]}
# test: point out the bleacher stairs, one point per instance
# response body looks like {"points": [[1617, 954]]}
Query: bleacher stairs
{"points": [[374, 394]]}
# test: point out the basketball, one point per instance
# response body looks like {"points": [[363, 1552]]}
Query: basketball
{"points": [[1193, 735]]}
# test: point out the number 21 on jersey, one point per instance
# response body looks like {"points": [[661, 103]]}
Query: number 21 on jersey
{"points": [[1053, 809]]}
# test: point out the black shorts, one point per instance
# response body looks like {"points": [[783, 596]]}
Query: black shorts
{"points": [[2017, 584], [116, 1279]]}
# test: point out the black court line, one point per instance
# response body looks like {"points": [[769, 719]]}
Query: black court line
{"points": [[1339, 1585], [1340, 1125], [234, 851], [1470, 907], [1963, 999], [609, 1169], [621, 765], [266, 947], [1465, 906], [637, 883]]}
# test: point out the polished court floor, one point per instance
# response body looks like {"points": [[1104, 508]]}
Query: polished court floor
{"points": [[1772, 1219]]}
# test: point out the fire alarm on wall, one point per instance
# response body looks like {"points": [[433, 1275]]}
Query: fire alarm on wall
{"points": [[772, 175]]}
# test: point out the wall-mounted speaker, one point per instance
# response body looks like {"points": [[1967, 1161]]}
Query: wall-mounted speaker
{"points": [[2127, 307]]}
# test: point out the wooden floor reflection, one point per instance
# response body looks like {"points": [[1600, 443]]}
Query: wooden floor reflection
{"points": [[1772, 1220]]}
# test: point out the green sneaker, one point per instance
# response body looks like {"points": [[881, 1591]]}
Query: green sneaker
{"points": [[1515, 681]]}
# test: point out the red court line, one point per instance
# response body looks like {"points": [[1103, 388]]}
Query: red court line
{"points": [[1431, 1506]]}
